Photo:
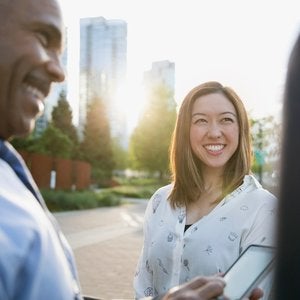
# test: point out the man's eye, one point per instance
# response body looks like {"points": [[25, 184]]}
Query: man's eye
{"points": [[43, 38]]}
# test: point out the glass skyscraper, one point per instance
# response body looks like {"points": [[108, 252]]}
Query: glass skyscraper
{"points": [[103, 64]]}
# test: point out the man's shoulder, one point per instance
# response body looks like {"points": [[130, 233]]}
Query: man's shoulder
{"points": [[20, 211]]}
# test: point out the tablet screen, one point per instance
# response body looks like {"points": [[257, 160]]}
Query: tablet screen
{"points": [[247, 270]]}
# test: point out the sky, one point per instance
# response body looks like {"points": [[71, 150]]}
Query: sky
{"points": [[241, 43]]}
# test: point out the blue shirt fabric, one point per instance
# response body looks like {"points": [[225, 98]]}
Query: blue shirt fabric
{"points": [[36, 261]]}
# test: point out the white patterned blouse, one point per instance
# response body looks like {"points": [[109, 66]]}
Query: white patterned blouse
{"points": [[172, 256]]}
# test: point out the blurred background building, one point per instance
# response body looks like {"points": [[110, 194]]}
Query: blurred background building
{"points": [[103, 64], [102, 75], [162, 73]]}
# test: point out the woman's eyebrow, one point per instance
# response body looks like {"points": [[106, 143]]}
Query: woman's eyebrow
{"points": [[198, 114], [223, 113], [228, 112]]}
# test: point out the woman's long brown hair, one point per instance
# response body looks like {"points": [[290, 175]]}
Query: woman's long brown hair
{"points": [[186, 167]]}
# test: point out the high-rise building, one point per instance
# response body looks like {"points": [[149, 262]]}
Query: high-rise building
{"points": [[103, 64], [162, 73]]}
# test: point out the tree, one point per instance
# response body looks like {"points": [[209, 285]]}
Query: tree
{"points": [[24, 143], [62, 119], [120, 154], [53, 142], [266, 138], [96, 146], [60, 137], [150, 141]]}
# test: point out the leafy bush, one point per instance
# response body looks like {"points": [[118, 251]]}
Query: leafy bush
{"points": [[107, 198], [58, 200], [135, 191], [62, 200], [137, 187]]}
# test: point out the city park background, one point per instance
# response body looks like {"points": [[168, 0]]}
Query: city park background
{"points": [[243, 44]]}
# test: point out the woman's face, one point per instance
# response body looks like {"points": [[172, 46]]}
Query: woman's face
{"points": [[214, 131]]}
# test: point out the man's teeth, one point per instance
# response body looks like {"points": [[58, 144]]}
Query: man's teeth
{"points": [[33, 90], [214, 147]]}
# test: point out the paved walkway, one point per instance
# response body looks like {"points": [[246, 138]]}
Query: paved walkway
{"points": [[106, 243]]}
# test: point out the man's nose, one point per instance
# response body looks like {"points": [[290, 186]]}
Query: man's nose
{"points": [[55, 69]]}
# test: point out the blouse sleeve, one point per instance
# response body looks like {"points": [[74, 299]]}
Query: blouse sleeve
{"points": [[262, 225], [143, 275]]}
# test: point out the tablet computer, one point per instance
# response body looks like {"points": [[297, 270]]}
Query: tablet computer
{"points": [[248, 271]]}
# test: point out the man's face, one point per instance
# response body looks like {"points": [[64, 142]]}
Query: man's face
{"points": [[30, 48]]}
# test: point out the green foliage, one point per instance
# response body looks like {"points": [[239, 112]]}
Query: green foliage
{"points": [[62, 119], [58, 200], [96, 147], [53, 142], [266, 139], [62, 201], [139, 181], [137, 187], [150, 141], [120, 155], [131, 191], [24, 143], [59, 139]]}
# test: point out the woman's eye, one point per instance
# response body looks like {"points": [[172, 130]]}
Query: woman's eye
{"points": [[227, 120], [200, 121]]}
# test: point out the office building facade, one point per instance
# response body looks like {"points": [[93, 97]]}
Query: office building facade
{"points": [[162, 73], [103, 64]]}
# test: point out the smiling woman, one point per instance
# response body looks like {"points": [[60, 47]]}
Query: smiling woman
{"points": [[214, 207]]}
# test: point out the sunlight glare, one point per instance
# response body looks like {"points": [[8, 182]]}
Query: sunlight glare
{"points": [[130, 101]]}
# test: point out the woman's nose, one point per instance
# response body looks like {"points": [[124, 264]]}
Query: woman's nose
{"points": [[214, 131]]}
